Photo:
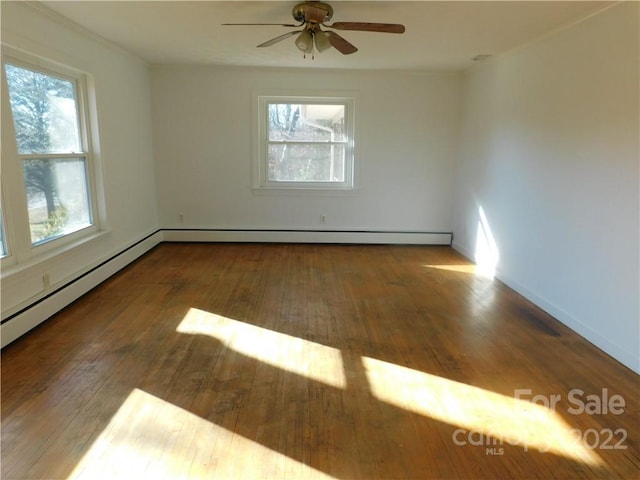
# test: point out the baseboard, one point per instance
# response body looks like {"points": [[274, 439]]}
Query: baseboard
{"points": [[31, 316], [630, 360], [307, 236], [463, 250], [21, 322]]}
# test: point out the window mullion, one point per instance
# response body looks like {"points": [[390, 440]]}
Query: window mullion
{"points": [[288, 142], [52, 156]]}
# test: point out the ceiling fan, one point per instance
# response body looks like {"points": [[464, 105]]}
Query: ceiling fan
{"points": [[312, 15]]}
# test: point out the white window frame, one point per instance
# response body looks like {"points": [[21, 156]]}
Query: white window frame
{"points": [[260, 168], [18, 243]]}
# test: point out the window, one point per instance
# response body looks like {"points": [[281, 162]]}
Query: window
{"points": [[47, 127], [47, 107], [305, 142]]}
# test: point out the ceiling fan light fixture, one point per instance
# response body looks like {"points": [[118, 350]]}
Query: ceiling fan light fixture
{"points": [[321, 40], [304, 42]]}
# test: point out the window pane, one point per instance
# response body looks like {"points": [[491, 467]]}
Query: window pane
{"points": [[306, 163], [305, 122], [57, 197], [44, 112]]}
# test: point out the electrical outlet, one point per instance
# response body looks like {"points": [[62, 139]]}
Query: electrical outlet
{"points": [[323, 218], [181, 217], [46, 281]]}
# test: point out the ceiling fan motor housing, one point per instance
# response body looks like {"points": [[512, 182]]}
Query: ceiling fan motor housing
{"points": [[299, 12]]}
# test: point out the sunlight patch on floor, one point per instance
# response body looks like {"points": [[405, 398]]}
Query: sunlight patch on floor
{"points": [[293, 354], [470, 268], [150, 438], [486, 414]]}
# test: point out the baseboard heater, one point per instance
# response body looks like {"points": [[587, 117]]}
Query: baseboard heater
{"points": [[308, 236], [17, 323], [29, 316]]}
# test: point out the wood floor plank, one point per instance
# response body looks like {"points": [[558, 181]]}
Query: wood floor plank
{"points": [[282, 361]]}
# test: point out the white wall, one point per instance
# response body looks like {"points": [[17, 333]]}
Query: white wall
{"points": [[124, 121], [550, 153], [405, 152]]}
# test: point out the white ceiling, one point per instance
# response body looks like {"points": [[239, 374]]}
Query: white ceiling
{"points": [[439, 34]]}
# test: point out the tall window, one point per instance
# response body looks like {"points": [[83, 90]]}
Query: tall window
{"points": [[51, 139], [305, 142]]}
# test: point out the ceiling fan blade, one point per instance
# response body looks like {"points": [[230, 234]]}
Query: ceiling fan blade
{"points": [[276, 24], [368, 27], [341, 44], [279, 38]]}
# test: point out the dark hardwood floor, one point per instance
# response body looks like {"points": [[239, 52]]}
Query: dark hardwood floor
{"points": [[281, 361]]}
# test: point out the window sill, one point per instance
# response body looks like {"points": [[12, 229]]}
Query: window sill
{"points": [[305, 191], [18, 266]]}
